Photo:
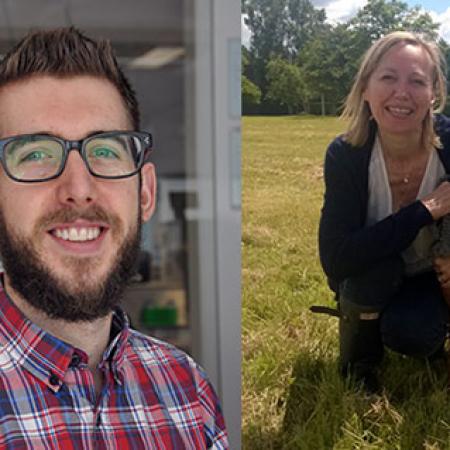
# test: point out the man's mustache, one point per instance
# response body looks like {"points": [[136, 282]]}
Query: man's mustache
{"points": [[93, 213]]}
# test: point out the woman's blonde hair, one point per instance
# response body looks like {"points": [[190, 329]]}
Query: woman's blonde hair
{"points": [[356, 109]]}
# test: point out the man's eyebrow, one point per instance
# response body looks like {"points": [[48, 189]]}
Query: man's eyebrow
{"points": [[49, 133], [92, 133]]}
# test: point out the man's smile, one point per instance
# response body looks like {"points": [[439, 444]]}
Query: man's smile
{"points": [[79, 235]]}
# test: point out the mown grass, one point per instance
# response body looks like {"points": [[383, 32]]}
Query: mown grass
{"points": [[293, 397]]}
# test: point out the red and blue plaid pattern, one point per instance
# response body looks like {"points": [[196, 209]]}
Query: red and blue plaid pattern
{"points": [[154, 396]]}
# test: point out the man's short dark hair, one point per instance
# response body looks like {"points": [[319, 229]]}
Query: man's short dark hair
{"points": [[66, 52]]}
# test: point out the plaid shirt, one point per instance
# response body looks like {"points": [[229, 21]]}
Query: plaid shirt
{"points": [[154, 396]]}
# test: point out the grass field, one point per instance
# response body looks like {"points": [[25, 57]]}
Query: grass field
{"points": [[293, 397]]}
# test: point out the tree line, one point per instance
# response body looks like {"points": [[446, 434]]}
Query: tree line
{"points": [[299, 63]]}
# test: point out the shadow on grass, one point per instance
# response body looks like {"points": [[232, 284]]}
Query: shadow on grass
{"points": [[254, 438], [322, 411], [315, 393]]}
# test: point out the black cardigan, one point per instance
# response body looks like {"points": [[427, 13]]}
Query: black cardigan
{"points": [[346, 246]]}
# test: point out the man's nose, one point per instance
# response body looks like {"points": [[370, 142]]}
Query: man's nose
{"points": [[76, 186]]}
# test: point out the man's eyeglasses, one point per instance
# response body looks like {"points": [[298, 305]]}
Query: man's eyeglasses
{"points": [[39, 157]]}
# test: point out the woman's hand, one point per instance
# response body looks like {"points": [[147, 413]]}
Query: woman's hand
{"points": [[438, 202], [442, 268]]}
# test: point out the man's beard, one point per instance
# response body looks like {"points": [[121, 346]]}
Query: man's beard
{"points": [[83, 298]]}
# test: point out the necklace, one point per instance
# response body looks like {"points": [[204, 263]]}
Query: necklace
{"points": [[399, 175]]}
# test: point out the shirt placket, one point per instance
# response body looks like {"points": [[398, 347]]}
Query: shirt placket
{"points": [[80, 382]]}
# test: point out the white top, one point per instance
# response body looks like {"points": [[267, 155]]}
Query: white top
{"points": [[417, 256]]}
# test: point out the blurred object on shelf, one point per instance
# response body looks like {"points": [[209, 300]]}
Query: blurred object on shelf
{"points": [[155, 316]]}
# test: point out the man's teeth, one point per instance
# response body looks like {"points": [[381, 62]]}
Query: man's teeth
{"points": [[77, 234]]}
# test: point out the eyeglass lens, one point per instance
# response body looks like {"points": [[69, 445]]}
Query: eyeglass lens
{"points": [[41, 157]]}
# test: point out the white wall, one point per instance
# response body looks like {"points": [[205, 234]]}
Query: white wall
{"points": [[213, 85]]}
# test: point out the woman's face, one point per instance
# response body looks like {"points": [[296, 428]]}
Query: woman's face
{"points": [[400, 90]]}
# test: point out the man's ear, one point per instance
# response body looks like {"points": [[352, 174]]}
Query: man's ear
{"points": [[148, 191]]}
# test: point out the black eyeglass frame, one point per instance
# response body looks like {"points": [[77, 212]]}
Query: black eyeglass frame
{"points": [[146, 140]]}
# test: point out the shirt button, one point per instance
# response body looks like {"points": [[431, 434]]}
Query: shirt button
{"points": [[75, 361], [53, 379]]}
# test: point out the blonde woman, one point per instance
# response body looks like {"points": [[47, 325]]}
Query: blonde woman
{"points": [[384, 198]]}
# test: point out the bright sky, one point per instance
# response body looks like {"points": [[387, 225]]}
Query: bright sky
{"points": [[342, 10], [431, 5]]}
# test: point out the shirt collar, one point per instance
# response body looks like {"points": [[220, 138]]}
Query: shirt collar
{"points": [[44, 355], [120, 331]]}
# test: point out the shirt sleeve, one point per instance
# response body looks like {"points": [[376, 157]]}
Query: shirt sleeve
{"points": [[214, 424], [347, 247]]}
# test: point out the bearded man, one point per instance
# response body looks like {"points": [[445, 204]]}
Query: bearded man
{"points": [[75, 186]]}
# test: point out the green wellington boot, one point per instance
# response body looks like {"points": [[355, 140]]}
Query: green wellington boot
{"points": [[361, 347]]}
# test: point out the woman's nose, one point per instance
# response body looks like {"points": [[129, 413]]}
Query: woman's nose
{"points": [[402, 88]]}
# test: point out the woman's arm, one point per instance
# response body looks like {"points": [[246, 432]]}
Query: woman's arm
{"points": [[347, 247]]}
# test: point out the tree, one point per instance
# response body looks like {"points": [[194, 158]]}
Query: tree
{"points": [[379, 17], [279, 28], [328, 66], [267, 22], [285, 84], [251, 95], [245, 59], [303, 24]]}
